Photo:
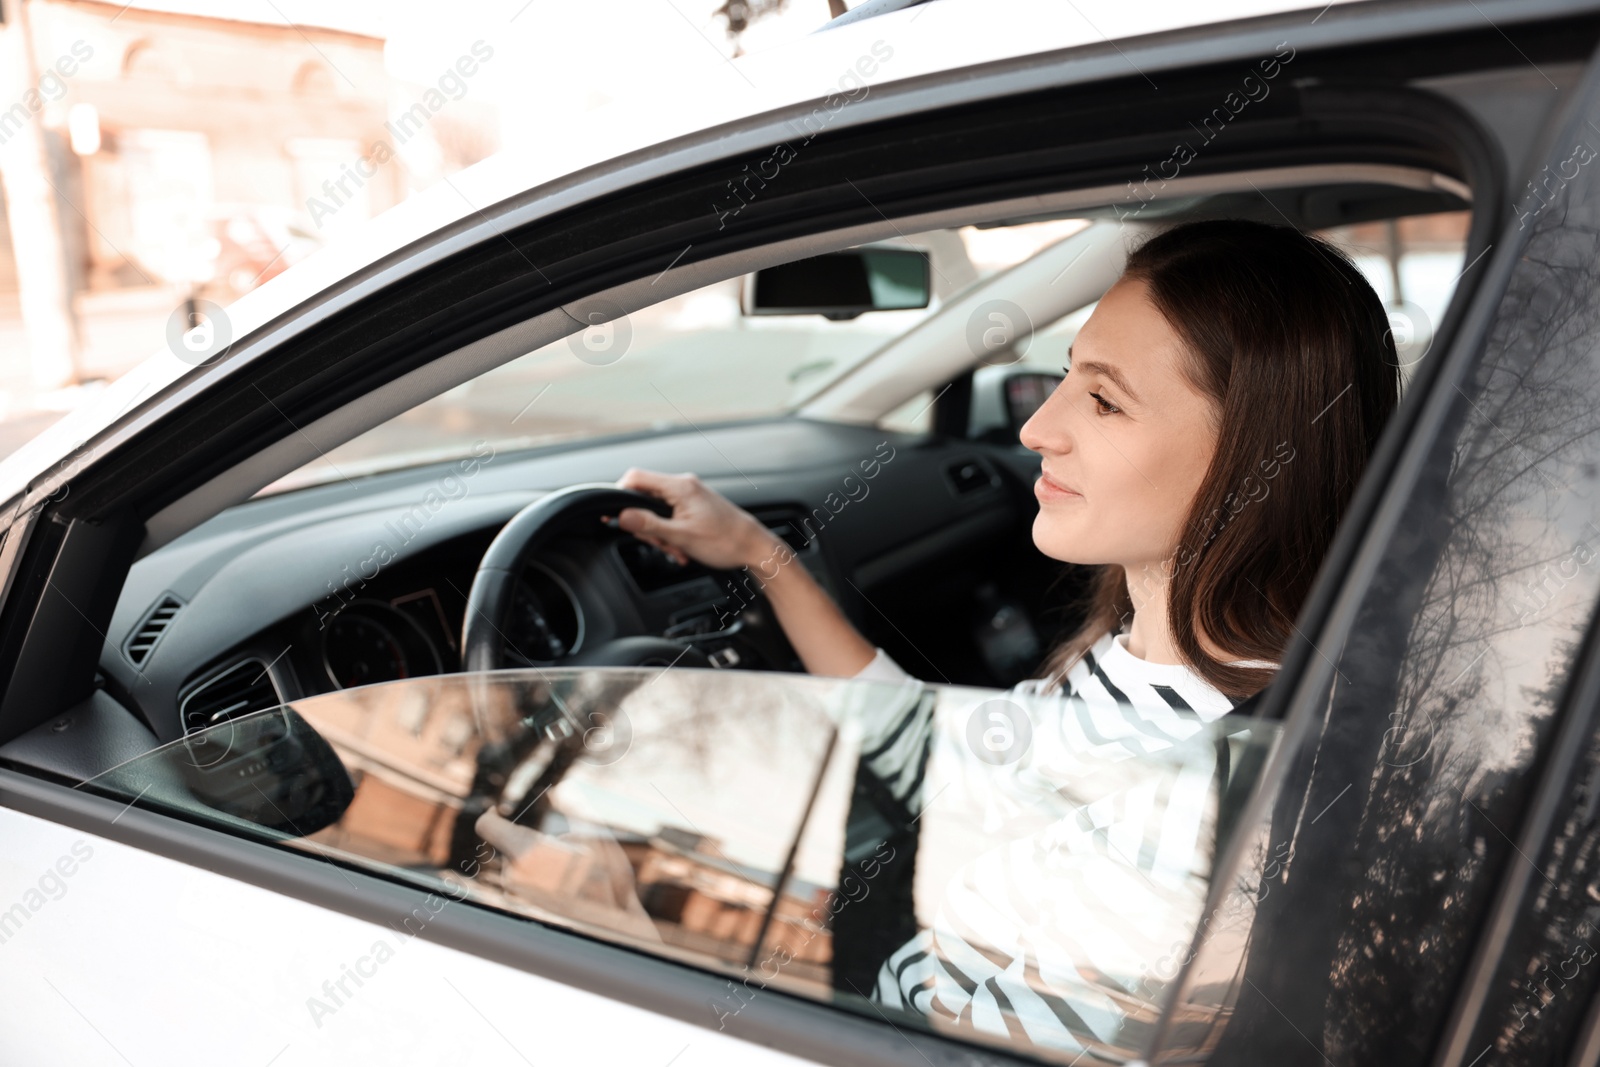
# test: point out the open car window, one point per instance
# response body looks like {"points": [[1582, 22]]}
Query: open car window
{"points": [[692, 359], [1008, 868]]}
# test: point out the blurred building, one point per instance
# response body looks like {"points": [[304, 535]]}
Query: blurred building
{"points": [[197, 153], [190, 148]]}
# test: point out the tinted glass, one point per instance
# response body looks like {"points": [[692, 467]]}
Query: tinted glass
{"points": [[1544, 982], [1005, 868]]}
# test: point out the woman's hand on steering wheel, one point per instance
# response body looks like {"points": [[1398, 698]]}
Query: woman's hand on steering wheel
{"points": [[705, 525]]}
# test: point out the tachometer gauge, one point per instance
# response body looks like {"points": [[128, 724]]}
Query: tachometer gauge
{"points": [[371, 642]]}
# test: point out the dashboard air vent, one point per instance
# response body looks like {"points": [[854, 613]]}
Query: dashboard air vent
{"points": [[970, 475], [143, 640], [237, 689]]}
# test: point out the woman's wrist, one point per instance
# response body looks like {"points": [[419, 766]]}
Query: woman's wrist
{"points": [[764, 550]]}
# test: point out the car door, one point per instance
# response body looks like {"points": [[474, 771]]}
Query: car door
{"points": [[62, 580], [747, 845]]}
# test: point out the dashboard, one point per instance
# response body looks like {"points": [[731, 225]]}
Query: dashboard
{"points": [[405, 622], [356, 583]]}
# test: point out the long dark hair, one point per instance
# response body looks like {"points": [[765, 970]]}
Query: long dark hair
{"points": [[1291, 343]]}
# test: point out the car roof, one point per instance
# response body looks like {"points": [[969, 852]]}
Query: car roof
{"points": [[926, 40]]}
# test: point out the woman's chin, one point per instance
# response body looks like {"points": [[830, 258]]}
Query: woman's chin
{"points": [[1067, 549]]}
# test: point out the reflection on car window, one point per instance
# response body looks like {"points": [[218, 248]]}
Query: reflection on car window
{"points": [[1006, 868]]}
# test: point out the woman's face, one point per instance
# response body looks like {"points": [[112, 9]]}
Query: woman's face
{"points": [[1125, 439]]}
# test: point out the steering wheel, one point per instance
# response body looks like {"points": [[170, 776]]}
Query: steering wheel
{"points": [[494, 587]]}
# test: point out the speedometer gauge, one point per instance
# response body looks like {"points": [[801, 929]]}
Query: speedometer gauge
{"points": [[545, 622], [535, 637], [358, 650]]}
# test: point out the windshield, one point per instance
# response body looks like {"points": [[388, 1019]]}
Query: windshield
{"points": [[688, 361], [897, 850]]}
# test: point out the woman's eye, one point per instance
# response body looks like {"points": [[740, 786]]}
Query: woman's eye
{"points": [[1106, 406]]}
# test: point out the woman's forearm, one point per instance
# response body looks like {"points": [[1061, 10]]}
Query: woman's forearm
{"points": [[822, 637]]}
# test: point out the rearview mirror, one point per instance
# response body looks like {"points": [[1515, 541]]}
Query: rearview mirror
{"points": [[841, 285]]}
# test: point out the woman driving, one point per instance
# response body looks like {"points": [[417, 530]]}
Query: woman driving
{"points": [[1217, 412], [1220, 331]]}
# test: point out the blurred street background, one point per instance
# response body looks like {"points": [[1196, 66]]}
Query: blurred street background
{"points": [[155, 153]]}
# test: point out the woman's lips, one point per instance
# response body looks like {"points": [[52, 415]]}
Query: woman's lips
{"points": [[1046, 489]]}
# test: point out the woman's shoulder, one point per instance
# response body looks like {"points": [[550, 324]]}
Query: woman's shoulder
{"points": [[1063, 680]]}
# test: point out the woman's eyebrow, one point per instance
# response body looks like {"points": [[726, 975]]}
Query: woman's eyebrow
{"points": [[1094, 367]]}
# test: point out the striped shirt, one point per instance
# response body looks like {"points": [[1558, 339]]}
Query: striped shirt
{"points": [[1058, 885]]}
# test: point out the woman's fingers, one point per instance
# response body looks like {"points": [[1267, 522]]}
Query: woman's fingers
{"points": [[669, 487], [651, 528], [675, 489], [704, 526], [635, 520], [641, 522], [636, 478]]}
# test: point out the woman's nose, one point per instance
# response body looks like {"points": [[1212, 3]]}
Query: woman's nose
{"points": [[1046, 429]]}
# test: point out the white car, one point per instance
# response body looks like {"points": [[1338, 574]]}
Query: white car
{"points": [[335, 726]]}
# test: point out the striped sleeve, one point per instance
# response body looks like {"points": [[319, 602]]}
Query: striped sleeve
{"points": [[895, 726], [881, 669], [896, 750]]}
